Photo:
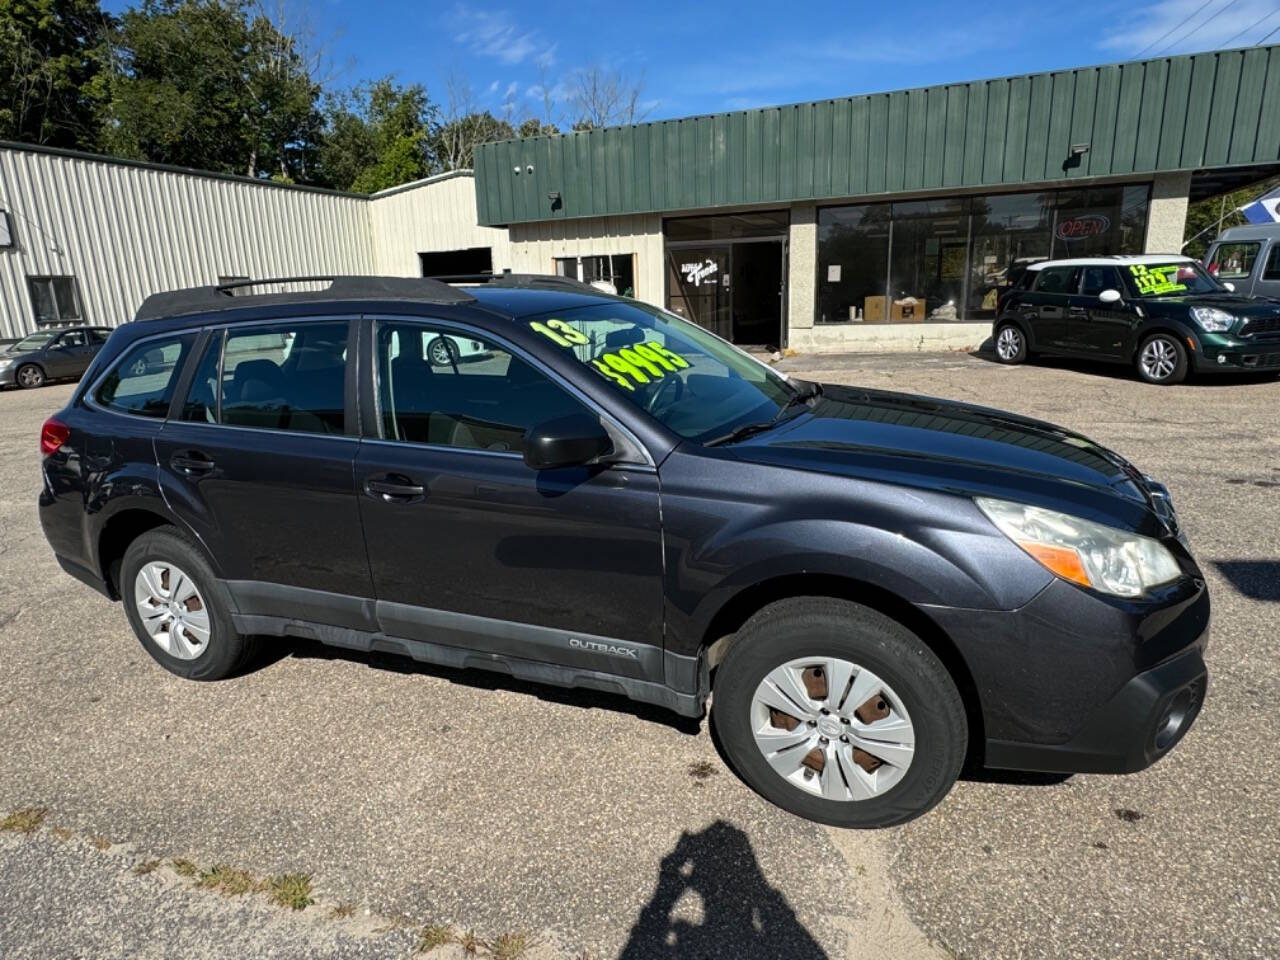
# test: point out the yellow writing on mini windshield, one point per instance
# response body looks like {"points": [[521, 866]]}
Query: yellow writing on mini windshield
{"points": [[1155, 280]]}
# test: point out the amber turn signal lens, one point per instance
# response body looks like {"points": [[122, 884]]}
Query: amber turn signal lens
{"points": [[1063, 561]]}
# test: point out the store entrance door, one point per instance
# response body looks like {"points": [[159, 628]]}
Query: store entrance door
{"points": [[728, 274]]}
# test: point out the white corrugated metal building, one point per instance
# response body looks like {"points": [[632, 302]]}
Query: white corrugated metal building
{"points": [[84, 239]]}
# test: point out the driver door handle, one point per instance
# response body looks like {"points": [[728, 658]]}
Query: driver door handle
{"points": [[394, 488]]}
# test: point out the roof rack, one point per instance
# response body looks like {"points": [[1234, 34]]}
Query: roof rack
{"points": [[224, 296], [520, 280]]}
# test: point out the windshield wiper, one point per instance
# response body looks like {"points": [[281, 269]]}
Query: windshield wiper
{"points": [[803, 394]]}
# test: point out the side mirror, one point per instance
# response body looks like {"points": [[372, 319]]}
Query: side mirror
{"points": [[1229, 285], [571, 441], [1110, 296]]}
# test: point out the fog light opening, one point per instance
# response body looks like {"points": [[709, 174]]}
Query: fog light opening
{"points": [[1222, 358], [1174, 721]]}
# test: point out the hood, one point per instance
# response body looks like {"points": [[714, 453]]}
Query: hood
{"points": [[1241, 306], [881, 436]]}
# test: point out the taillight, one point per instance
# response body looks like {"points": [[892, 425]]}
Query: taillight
{"points": [[53, 435]]}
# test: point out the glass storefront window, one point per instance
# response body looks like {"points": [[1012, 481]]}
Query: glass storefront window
{"points": [[927, 260], [951, 258], [853, 263]]}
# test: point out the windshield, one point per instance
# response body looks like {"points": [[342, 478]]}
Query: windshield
{"points": [[33, 342], [1179, 279], [696, 384]]}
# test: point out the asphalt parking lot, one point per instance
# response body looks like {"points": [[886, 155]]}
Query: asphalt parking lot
{"points": [[417, 796]]}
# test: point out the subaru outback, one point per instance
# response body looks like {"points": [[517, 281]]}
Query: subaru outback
{"points": [[869, 589]]}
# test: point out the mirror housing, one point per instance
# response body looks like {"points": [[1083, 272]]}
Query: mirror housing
{"points": [[1110, 296], [1231, 287], [572, 441]]}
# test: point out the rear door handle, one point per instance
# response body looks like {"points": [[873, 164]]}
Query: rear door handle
{"points": [[1078, 311], [192, 462], [394, 488]]}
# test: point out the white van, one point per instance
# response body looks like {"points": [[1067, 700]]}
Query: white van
{"points": [[1248, 258]]}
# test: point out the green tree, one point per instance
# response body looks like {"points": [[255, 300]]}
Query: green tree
{"points": [[1203, 216], [377, 135], [211, 84], [51, 54], [533, 127]]}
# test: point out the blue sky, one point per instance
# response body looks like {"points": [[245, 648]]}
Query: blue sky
{"points": [[705, 57]]}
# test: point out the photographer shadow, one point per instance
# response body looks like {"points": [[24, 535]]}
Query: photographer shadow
{"points": [[742, 916]]}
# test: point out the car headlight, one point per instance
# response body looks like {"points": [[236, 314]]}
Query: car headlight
{"points": [[5, 362], [1212, 320], [1093, 555]]}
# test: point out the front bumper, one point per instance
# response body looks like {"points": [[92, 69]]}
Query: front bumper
{"points": [[1221, 353], [8, 375], [1075, 682]]}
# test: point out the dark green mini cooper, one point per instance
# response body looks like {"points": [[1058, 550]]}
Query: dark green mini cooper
{"points": [[1163, 314]]}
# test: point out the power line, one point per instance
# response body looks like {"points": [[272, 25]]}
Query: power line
{"points": [[1253, 26], [1171, 29], [1268, 36], [1191, 29]]}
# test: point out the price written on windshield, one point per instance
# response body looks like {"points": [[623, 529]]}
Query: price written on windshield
{"points": [[1153, 281], [639, 363]]}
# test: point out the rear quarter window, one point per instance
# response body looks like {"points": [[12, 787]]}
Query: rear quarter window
{"points": [[1055, 280], [142, 381], [1234, 261]]}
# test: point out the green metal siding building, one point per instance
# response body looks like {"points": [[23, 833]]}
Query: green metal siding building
{"points": [[1169, 128]]}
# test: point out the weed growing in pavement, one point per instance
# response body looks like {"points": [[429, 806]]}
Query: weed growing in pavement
{"points": [[100, 842], [145, 867], [1128, 815], [510, 946], [470, 943], [291, 890], [228, 881], [25, 820], [344, 910], [434, 935], [63, 834], [702, 769], [184, 867]]}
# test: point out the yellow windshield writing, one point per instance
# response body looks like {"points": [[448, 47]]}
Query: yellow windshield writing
{"points": [[1152, 281], [638, 363]]}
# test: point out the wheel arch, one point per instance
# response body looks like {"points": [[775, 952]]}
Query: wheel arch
{"points": [[1168, 328], [1015, 321], [749, 600], [125, 526], [31, 363]]}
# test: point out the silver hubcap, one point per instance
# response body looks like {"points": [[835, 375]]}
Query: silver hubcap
{"points": [[30, 376], [172, 610], [832, 728], [1159, 358], [1008, 343], [440, 354]]}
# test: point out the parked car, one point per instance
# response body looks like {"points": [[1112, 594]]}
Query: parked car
{"points": [[50, 355], [874, 586], [1247, 258], [1164, 315], [444, 350]]}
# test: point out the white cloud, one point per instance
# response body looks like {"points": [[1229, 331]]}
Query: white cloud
{"points": [[512, 89], [497, 35], [1173, 26], [493, 88]]}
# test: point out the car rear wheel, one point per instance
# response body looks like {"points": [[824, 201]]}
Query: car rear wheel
{"points": [[839, 714], [441, 352], [1011, 344], [30, 376], [171, 597], [1162, 359]]}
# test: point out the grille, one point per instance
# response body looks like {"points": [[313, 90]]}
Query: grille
{"points": [[1269, 361], [1261, 325]]}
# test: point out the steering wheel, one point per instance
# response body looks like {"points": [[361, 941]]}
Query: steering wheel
{"points": [[652, 404]]}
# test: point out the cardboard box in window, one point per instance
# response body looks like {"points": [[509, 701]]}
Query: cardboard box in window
{"points": [[908, 310], [873, 310]]}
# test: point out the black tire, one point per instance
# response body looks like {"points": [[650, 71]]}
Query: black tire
{"points": [[441, 353], [227, 650], [29, 376], [818, 626], [1167, 344], [1017, 340]]}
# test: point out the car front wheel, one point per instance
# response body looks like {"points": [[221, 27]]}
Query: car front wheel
{"points": [[839, 714], [1011, 344], [1162, 359], [30, 376]]}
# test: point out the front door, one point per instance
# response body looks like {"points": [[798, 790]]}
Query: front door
{"points": [[700, 287], [1049, 299], [756, 292], [469, 546], [69, 355], [1098, 328], [260, 462]]}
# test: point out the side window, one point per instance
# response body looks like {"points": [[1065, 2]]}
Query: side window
{"points": [[456, 390], [142, 381], [1097, 279], [1272, 270], [290, 376], [1233, 261], [1055, 280], [72, 338], [99, 336]]}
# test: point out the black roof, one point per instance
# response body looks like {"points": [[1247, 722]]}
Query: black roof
{"points": [[438, 290]]}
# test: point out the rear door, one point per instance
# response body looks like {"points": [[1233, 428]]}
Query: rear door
{"points": [[68, 355], [471, 547], [1268, 283], [1235, 262], [258, 461], [1048, 300]]}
